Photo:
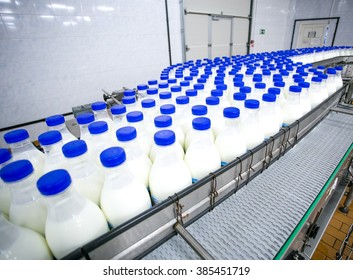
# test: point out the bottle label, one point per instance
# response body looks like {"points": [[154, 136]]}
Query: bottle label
{"points": [[194, 180], [223, 163]]}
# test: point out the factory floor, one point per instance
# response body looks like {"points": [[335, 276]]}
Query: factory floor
{"points": [[334, 235]]}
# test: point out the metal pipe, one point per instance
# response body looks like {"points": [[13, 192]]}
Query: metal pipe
{"points": [[168, 32], [250, 26], [194, 244]]}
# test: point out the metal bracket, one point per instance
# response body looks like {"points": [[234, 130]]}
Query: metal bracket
{"points": [[214, 193], [178, 211], [250, 167], [239, 177]]}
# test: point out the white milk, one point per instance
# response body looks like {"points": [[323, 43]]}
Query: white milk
{"points": [[87, 177], [100, 112], [304, 97], [267, 115], [338, 79], [257, 92], [19, 243], [314, 92], [292, 110], [215, 114], [119, 119], [51, 142], [27, 208], [72, 220], [83, 120], [5, 195], [250, 126], [230, 142], [278, 109], [22, 148], [238, 101], [182, 112], [57, 122], [137, 161], [201, 156], [169, 173], [123, 195]]}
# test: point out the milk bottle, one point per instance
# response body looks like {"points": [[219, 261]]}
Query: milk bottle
{"points": [[214, 113], [331, 81], [182, 112], [83, 121], [19, 243], [99, 141], [230, 142], [119, 119], [278, 109], [26, 208], [185, 85], [238, 101], [152, 93], [5, 195], [200, 90], [165, 98], [176, 91], [258, 91], [193, 97], [130, 92], [22, 148], [250, 125], [142, 91], [292, 110], [100, 112], [57, 122], [137, 161], [223, 100], [149, 111], [130, 103], [304, 97], [51, 142], [163, 87], [123, 195], [152, 83], [86, 176], [201, 156], [324, 89], [267, 115], [315, 94], [196, 111], [136, 119], [169, 173], [339, 82], [236, 88], [72, 220]]}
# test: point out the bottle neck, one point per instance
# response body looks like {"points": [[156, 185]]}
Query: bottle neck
{"points": [[53, 149], [24, 190], [25, 144]]}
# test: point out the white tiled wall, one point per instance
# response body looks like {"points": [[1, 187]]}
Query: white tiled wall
{"points": [[58, 54]]}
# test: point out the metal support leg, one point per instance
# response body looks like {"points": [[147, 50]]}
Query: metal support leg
{"points": [[349, 199], [194, 244]]}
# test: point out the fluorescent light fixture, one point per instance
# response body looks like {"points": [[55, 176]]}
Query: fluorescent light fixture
{"points": [[105, 8]]}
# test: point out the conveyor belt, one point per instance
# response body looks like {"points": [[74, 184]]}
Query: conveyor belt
{"points": [[256, 221]]}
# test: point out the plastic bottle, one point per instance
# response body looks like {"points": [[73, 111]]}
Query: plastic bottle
{"points": [[230, 142], [87, 178], [176, 91], [214, 112], [250, 125], [5, 195], [339, 82], [201, 155], [130, 103], [331, 81], [57, 122], [165, 97], [100, 112], [119, 119], [99, 141], [258, 91], [182, 112], [27, 208], [22, 148], [136, 119], [292, 110], [194, 99], [169, 173], [137, 161], [223, 100], [315, 94], [185, 85], [83, 121], [238, 101], [304, 97], [52, 142], [152, 93], [19, 243], [123, 195], [72, 220], [267, 115], [196, 111], [278, 109], [142, 92]]}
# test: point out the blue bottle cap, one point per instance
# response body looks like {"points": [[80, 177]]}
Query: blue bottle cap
{"points": [[74, 148], [279, 84], [55, 120], [128, 100], [165, 95], [182, 100], [163, 85], [98, 127], [5, 155], [212, 100], [339, 68], [99, 105], [175, 89], [191, 92], [298, 80], [179, 75], [321, 67], [304, 85], [50, 137], [274, 90], [199, 110], [256, 79], [163, 121], [112, 157], [134, 116], [167, 109], [152, 91], [201, 123], [260, 85], [231, 112], [295, 89], [118, 109], [245, 89], [148, 103], [331, 71], [240, 96], [16, 170], [199, 86], [164, 137], [316, 79], [142, 87], [268, 97], [252, 104], [188, 78], [54, 182], [129, 92], [201, 80], [16, 135], [238, 84], [164, 77], [85, 118], [172, 81], [217, 92], [221, 87], [152, 82], [184, 83], [126, 133]]}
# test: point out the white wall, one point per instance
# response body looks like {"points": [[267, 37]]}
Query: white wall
{"points": [[58, 54]]}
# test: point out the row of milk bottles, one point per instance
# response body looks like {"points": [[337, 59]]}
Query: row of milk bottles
{"points": [[151, 146]]}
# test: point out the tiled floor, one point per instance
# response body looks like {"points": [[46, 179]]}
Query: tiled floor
{"points": [[334, 235]]}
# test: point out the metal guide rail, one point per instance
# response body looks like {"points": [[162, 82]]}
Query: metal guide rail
{"points": [[144, 233]]}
